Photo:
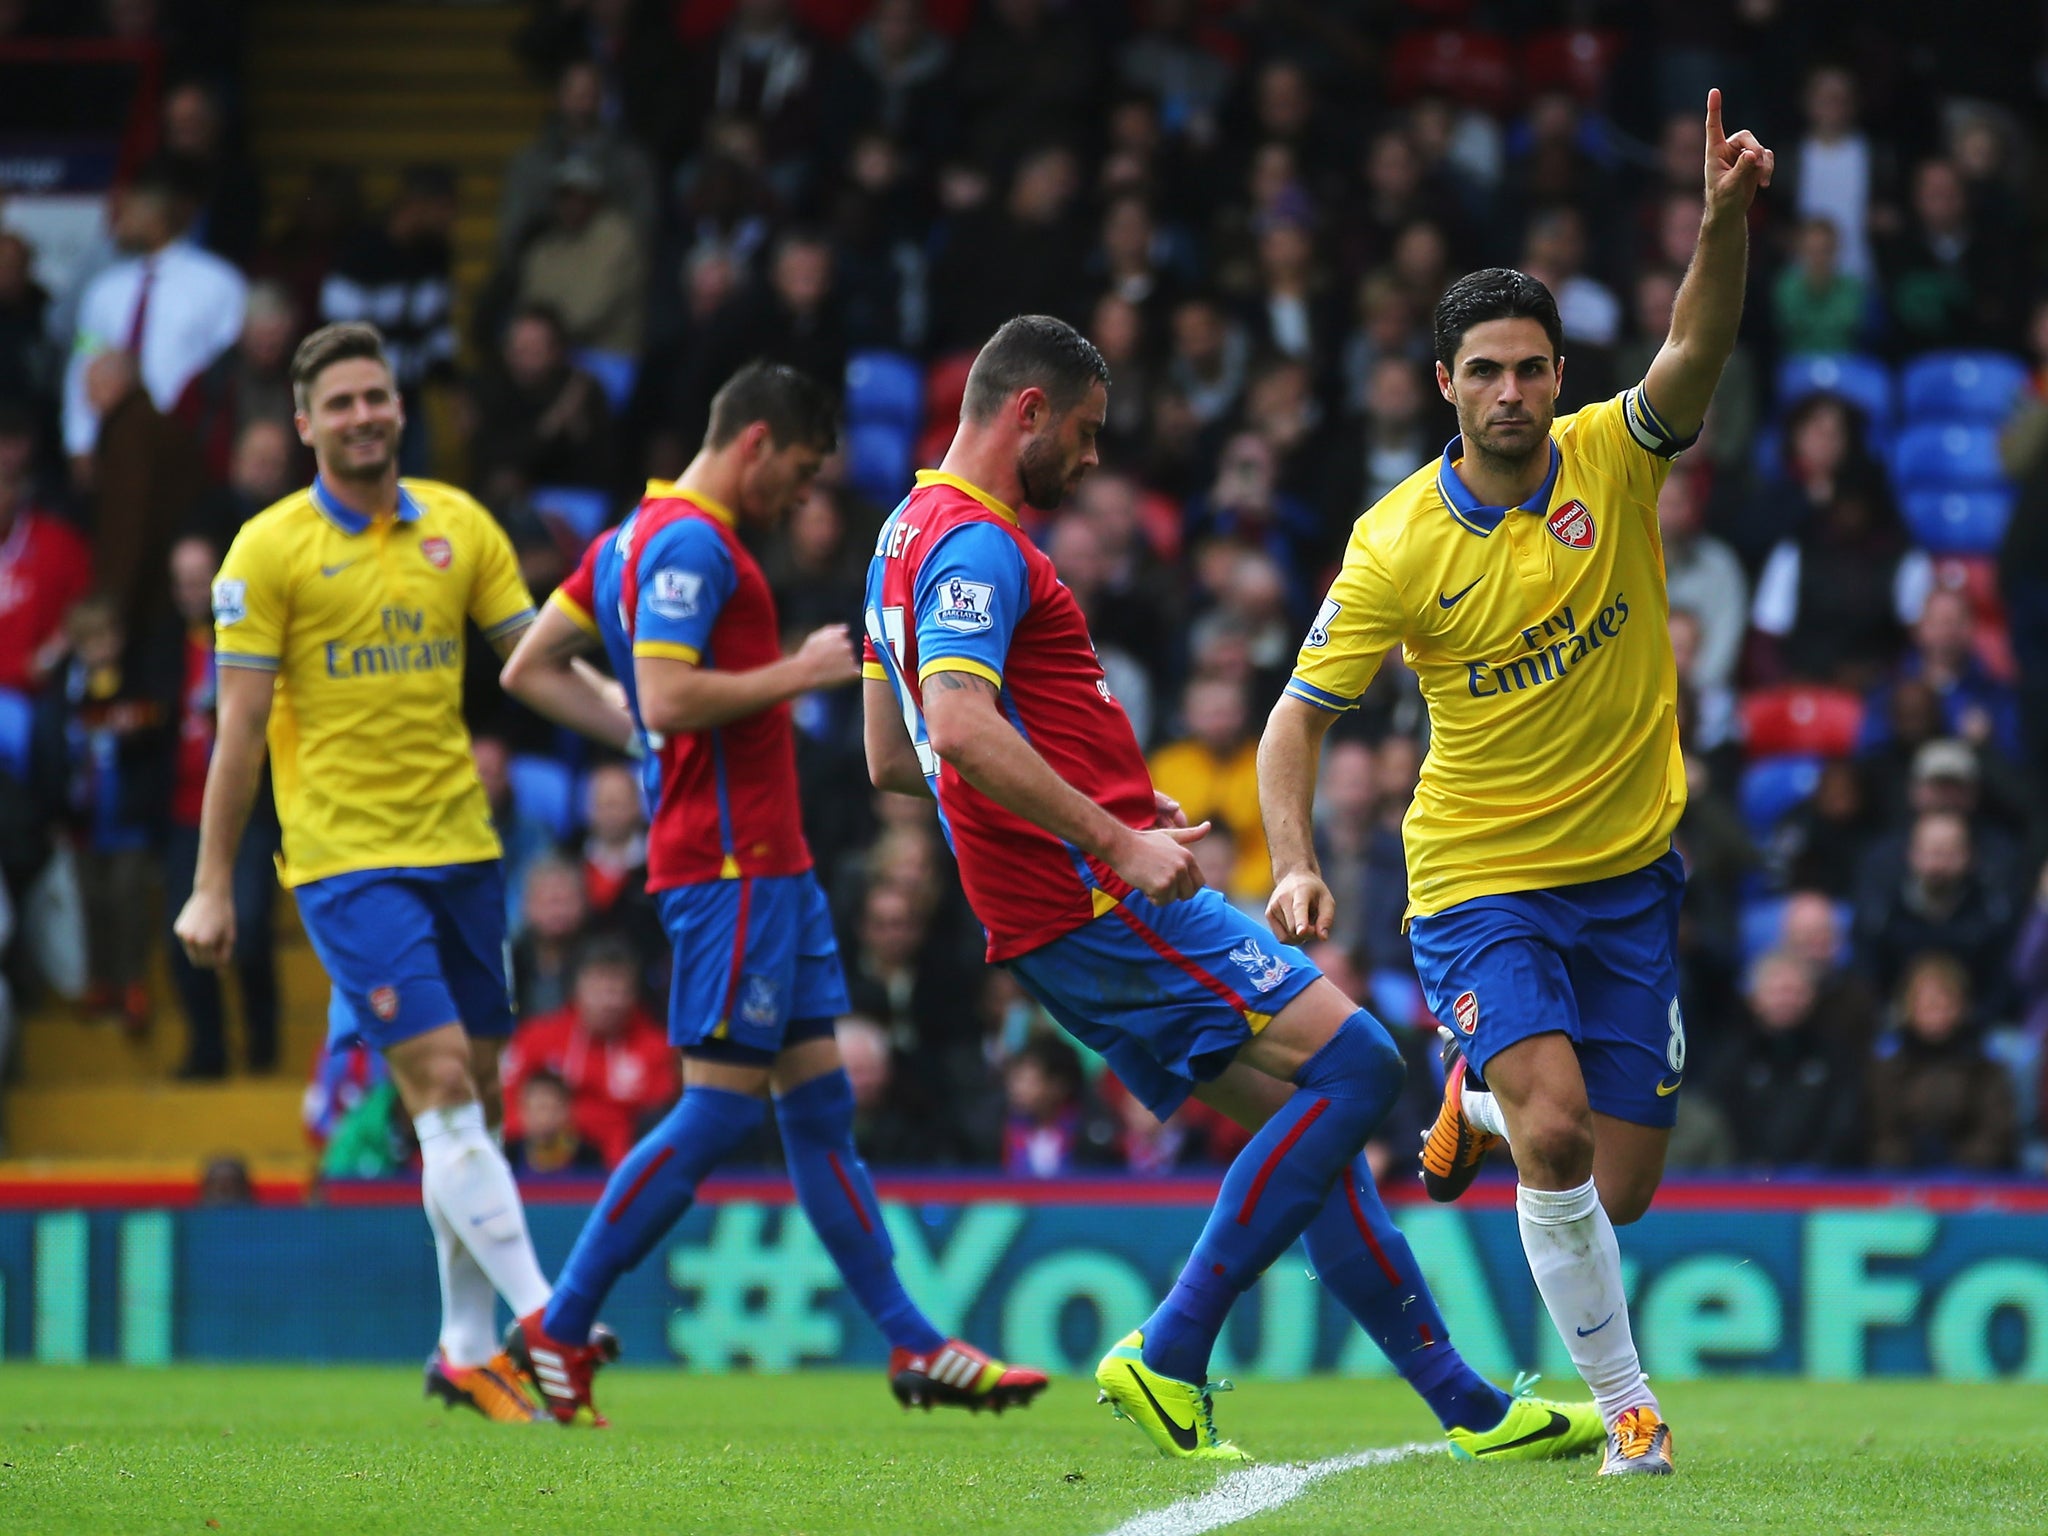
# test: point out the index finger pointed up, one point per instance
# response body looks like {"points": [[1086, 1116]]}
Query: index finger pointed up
{"points": [[1714, 134]]}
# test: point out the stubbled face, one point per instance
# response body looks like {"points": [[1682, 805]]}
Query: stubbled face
{"points": [[778, 479], [1057, 457], [352, 420], [1503, 383]]}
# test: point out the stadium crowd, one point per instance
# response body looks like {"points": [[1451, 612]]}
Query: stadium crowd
{"points": [[1251, 208]]}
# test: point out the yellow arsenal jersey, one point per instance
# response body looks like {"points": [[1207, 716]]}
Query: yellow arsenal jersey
{"points": [[1539, 634]]}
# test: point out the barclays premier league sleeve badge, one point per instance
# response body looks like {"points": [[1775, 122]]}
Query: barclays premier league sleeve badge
{"points": [[675, 593], [230, 601], [965, 607]]}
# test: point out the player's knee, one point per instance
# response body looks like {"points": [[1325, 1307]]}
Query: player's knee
{"points": [[1358, 1066]]}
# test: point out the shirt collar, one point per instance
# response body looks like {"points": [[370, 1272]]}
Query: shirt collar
{"points": [[668, 490], [1471, 514], [968, 488], [350, 521]]}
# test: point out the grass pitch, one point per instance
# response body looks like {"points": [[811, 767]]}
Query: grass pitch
{"points": [[303, 1450]]}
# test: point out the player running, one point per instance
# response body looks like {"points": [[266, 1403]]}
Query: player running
{"points": [[339, 619], [1524, 579], [685, 615], [984, 691]]}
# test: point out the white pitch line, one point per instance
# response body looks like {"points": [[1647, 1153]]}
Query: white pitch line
{"points": [[1256, 1490]]}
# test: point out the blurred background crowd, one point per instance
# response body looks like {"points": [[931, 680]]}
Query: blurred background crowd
{"points": [[1251, 206]]}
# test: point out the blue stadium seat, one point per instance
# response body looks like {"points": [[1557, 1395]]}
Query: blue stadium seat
{"points": [[1863, 381], [884, 387], [616, 374], [1959, 522], [581, 509], [1761, 922], [1947, 456], [1772, 786], [1961, 386], [878, 455], [17, 732], [544, 790]]}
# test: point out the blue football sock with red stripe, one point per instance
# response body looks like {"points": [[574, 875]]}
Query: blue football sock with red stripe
{"points": [[1367, 1264], [832, 1182], [645, 1196], [1274, 1189]]}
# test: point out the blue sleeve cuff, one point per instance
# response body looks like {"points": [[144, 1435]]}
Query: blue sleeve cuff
{"points": [[1308, 693]]}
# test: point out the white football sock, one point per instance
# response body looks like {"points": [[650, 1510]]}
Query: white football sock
{"points": [[467, 1177], [469, 1335], [1482, 1109], [1577, 1266]]}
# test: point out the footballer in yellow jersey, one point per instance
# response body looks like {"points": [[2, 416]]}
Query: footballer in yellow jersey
{"points": [[339, 623], [1522, 578]]}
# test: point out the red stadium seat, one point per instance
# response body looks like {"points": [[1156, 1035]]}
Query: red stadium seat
{"points": [[1574, 59], [1473, 67], [1797, 719], [945, 382], [1976, 577]]}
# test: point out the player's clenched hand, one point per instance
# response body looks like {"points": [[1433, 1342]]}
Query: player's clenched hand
{"points": [[1737, 164], [826, 658], [1301, 908], [1160, 863], [206, 927]]}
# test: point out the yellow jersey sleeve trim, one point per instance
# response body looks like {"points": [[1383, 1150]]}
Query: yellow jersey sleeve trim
{"points": [[667, 650], [245, 660], [960, 664], [874, 670], [572, 610]]}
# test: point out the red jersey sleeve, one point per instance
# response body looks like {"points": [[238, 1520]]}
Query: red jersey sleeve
{"points": [[577, 596]]}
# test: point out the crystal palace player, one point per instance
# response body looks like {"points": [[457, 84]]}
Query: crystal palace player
{"points": [[685, 616], [1523, 578], [983, 689]]}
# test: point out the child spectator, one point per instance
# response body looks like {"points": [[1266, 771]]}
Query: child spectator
{"points": [[549, 1142], [615, 852], [1936, 1099], [1053, 1128], [1819, 308]]}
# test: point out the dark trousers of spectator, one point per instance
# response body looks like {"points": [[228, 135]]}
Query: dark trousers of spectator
{"points": [[115, 887], [2026, 609], [255, 960]]}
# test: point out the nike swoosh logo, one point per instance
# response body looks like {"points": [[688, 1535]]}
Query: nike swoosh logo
{"points": [[336, 570], [1587, 1333], [1665, 1090], [1446, 602], [1186, 1438], [1558, 1425]]}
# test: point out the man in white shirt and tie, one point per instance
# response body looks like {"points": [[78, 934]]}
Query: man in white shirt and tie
{"points": [[173, 305]]}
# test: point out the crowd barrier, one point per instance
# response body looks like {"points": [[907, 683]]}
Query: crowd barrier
{"points": [[1825, 1280]]}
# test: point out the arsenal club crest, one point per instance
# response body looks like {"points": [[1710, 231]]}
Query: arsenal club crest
{"points": [[1571, 525], [1465, 1011], [384, 1003], [439, 552]]}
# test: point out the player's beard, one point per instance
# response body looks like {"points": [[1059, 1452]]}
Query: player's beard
{"points": [[346, 468], [1513, 459], [1042, 473]]}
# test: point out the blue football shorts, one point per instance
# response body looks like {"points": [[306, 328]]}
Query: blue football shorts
{"points": [[756, 966]]}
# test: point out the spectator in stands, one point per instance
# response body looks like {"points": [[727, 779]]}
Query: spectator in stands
{"points": [[1708, 715], [615, 850], [400, 278], [603, 1044], [250, 382], [523, 837], [172, 306], [1821, 842], [1054, 1125], [147, 477], [323, 222], [1024, 67], [226, 189], [793, 318], [1555, 254], [1943, 903], [193, 563], [888, 1131], [2030, 976], [1974, 704], [1289, 314], [1077, 554], [1946, 775], [1209, 360], [1845, 1009], [264, 468], [764, 69], [1936, 1099], [1345, 833], [1703, 575], [894, 77], [1245, 509], [1819, 308], [548, 1142], [1946, 283], [1834, 172], [1392, 441], [1166, 60], [28, 364], [1728, 436], [1026, 256], [900, 977], [1834, 600], [879, 267], [540, 420], [576, 129], [1212, 771], [44, 568], [1130, 260], [553, 919], [818, 569], [1139, 602], [588, 263], [1792, 1093], [104, 717], [1386, 328]]}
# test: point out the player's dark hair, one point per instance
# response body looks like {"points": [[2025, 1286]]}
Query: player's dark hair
{"points": [[1032, 351], [1496, 293], [796, 407], [546, 1077], [341, 342], [607, 952]]}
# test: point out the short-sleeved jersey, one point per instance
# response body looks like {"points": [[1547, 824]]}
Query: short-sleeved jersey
{"points": [[673, 580], [363, 622], [1539, 636], [956, 586]]}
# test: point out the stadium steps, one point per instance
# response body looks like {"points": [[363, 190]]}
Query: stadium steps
{"points": [[172, 1121]]}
